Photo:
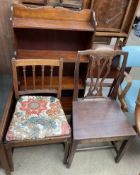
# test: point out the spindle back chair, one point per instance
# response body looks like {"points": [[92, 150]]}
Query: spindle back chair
{"points": [[31, 86], [37, 119]]}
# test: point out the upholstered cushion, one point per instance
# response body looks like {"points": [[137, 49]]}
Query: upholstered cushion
{"points": [[37, 117], [132, 94], [133, 55]]}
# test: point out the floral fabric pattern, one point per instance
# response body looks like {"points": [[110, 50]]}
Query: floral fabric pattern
{"points": [[37, 117]]}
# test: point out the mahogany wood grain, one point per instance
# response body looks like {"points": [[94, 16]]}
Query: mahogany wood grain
{"points": [[97, 118], [108, 122]]}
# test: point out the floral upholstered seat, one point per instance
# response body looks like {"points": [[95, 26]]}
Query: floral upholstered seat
{"points": [[37, 117]]}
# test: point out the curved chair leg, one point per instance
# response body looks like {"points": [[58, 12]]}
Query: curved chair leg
{"points": [[10, 156], [3, 160], [137, 114]]}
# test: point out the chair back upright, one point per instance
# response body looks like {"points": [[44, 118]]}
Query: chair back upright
{"points": [[29, 76], [101, 62]]}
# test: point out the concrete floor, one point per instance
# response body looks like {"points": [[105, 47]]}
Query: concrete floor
{"points": [[47, 160]]}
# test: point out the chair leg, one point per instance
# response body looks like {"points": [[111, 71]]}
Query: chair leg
{"points": [[67, 147], [10, 156], [122, 150], [4, 160], [72, 152]]}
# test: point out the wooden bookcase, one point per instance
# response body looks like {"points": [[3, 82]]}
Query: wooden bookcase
{"points": [[114, 17], [47, 32]]}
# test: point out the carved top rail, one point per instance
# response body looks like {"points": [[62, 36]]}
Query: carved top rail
{"points": [[101, 62], [49, 13], [47, 17], [36, 84]]}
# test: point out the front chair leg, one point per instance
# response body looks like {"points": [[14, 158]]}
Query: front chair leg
{"points": [[72, 152], [67, 147], [10, 156], [122, 150], [3, 160]]}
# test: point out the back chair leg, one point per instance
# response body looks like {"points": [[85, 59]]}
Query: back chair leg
{"points": [[72, 152], [10, 156], [3, 160], [122, 150], [67, 147]]}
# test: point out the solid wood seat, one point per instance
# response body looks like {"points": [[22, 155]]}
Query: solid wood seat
{"points": [[99, 119]]}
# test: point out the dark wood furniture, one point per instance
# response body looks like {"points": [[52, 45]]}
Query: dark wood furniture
{"points": [[19, 68], [5, 99], [137, 114], [47, 33], [97, 118], [114, 19], [6, 44]]}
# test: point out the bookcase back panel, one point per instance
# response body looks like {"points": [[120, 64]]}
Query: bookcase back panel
{"points": [[35, 39]]}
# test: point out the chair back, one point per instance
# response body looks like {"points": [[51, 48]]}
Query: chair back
{"points": [[133, 55], [36, 76], [101, 62]]}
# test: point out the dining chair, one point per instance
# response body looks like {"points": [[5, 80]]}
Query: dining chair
{"points": [[37, 119], [98, 118], [129, 95]]}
